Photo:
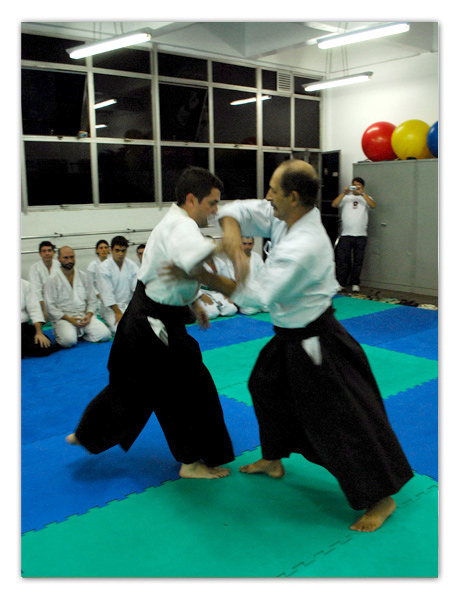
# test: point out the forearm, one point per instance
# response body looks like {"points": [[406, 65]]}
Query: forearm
{"points": [[219, 283], [369, 200], [338, 200]]}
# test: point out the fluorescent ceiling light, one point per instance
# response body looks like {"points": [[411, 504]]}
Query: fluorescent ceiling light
{"points": [[330, 83], [119, 41], [247, 100], [361, 35], [101, 126], [105, 103]]}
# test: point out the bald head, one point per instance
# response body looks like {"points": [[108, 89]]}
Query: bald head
{"points": [[299, 176], [66, 256]]}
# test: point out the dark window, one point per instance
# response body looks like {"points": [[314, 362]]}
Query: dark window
{"points": [[269, 80], [125, 173], [233, 74], [272, 160], [234, 124], [300, 81], [184, 113], [173, 161], [58, 173], [53, 103], [277, 121], [186, 67], [306, 123], [131, 116], [238, 171], [124, 59], [48, 49]]}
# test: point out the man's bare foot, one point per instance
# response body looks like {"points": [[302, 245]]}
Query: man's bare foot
{"points": [[375, 516], [274, 468], [199, 470], [72, 439]]}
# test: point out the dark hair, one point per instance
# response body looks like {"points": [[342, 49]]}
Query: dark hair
{"points": [[101, 242], [298, 180], [46, 244], [197, 181], [119, 240], [140, 247], [359, 180]]}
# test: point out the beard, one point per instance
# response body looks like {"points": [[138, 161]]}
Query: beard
{"points": [[68, 266]]}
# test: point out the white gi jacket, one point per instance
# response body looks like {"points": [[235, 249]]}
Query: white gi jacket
{"points": [[63, 299], [115, 285], [92, 270], [39, 275], [30, 306], [297, 281], [176, 239]]}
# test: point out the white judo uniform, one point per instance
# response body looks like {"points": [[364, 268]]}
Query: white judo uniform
{"points": [[30, 306], [115, 286], [63, 299], [39, 275], [221, 306]]}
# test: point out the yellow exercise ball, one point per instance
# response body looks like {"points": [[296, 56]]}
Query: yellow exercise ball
{"points": [[409, 139]]}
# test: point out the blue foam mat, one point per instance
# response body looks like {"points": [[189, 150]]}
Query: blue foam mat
{"points": [[59, 480], [228, 331], [382, 327]]}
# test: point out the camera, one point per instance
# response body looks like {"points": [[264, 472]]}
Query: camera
{"points": [[352, 188]]}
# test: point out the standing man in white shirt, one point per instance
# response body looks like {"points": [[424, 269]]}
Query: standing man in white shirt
{"points": [[70, 300], [312, 387], [354, 205], [42, 270], [154, 364], [116, 282]]}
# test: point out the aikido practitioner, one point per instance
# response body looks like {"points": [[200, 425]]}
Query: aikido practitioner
{"points": [[312, 387], [154, 364]]}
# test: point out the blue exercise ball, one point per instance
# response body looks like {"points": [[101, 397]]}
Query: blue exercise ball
{"points": [[432, 139]]}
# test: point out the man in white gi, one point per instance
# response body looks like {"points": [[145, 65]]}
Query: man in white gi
{"points": [[216, 304], [255, 264], [354, 205], [154, 364], [33, 341], [116, 282], [312, 387], [70, 300], [42, 270]]}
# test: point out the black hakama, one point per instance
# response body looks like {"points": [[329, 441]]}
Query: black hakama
{"points": [[146, 376], [331, 413]]}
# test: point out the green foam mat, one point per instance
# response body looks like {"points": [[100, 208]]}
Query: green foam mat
{"points": [[239, 526]]}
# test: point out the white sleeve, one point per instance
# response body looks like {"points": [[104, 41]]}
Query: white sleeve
{"points": [[188, 247], [32, 305], [50, 295], [105, 287], [255, 217], [91, 300], [35, 280]]}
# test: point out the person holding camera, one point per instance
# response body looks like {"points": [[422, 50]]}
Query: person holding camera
{"points": [[354, 205]]}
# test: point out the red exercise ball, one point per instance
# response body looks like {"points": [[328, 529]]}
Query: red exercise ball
{"points": [[376, 141]]}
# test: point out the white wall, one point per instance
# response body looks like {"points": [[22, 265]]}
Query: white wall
{"points": [[398, 91]]}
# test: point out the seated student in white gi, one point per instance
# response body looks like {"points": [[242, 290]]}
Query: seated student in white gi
{"points": [[42, 270], [70, 300], [215, 303], [103, 252], [255, 264], [33, 341], [116, 282]]}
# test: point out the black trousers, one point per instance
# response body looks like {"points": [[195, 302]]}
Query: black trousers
{"points": [[331, 413], [349, 255], [28, 345], [147, 376]]}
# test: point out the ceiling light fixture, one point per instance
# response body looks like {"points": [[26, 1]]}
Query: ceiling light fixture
{"points": [[339, 81], [105, 103], [247, 100], [113, 43], [361, 35]]}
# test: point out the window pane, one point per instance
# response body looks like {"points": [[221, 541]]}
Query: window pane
{"points": [[269, 80], [234, 124], [299, 81], [272, 160], [53, 103], [174, 161], [233, 74], [131, 116], [184, 113], [277, 121], [125, 173], [124, 59], [238, 171], [58, 173], [186, 67], [306, 123], [48, 49]]}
